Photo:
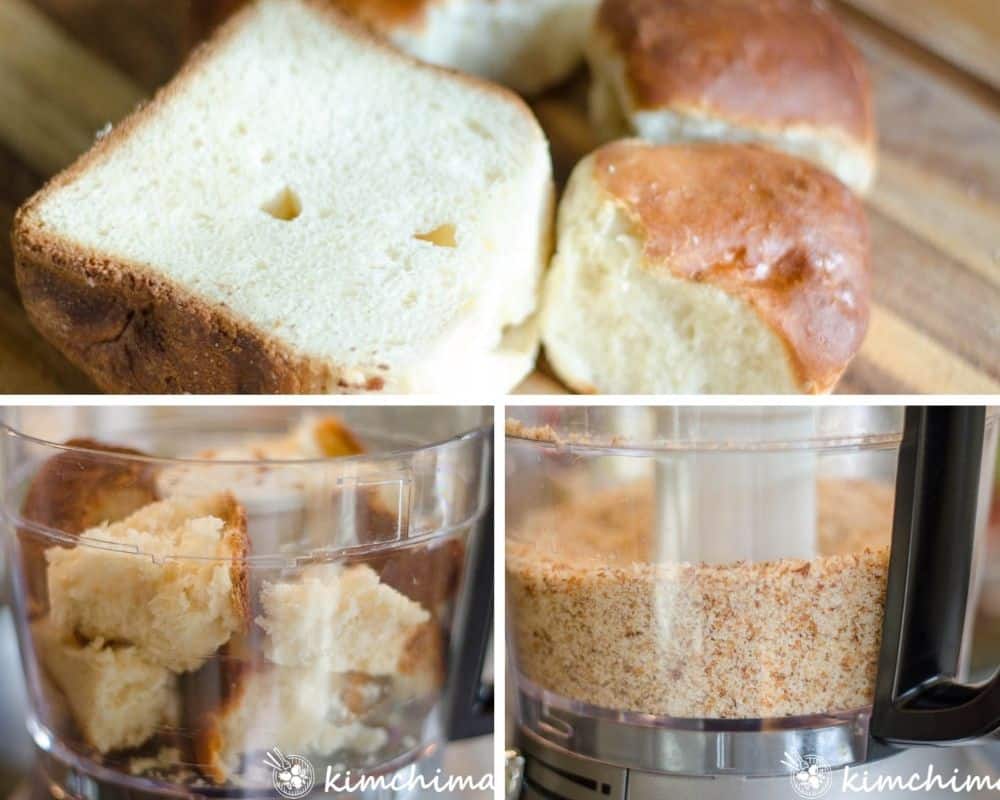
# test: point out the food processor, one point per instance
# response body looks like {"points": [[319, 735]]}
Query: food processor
{"points": [[248, 602], [746, 602]]}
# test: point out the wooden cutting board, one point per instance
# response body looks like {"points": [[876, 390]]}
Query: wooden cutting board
{"points": [[69, 66]]}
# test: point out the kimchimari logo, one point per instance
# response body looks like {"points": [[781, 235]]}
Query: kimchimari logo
{"points": [[810, 775], [292, 775]]}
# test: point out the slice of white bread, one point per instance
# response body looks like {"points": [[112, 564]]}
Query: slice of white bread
{"points": [[117, 696], [778, 72], [303, 209], [170, 579], [340, 617], [299, 710], [528, 45], [705, 268]]}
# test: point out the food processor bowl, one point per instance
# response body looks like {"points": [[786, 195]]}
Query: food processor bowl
{"points": [[240, 602], [698, 592]]}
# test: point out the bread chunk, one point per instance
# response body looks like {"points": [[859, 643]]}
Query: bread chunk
{"points": [[274, 221], [340, 617], [170, 579], [776, 72], [76, 489], [118, 697], [297, 709], [81, 487], [705, 269]]}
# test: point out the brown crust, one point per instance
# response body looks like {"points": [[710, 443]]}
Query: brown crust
{"points": [[218, 687], [237, 541], [768, 63], [423, 658], [212, 693], [764, 227], [335, 439], [131, 330], [387, 15], [73, 491]]}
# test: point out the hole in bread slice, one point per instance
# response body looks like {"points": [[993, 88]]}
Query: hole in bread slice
{"points": [[285, 205], [441, 236]]}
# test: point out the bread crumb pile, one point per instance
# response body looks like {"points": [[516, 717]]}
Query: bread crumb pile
{"points": [[595, 620]]}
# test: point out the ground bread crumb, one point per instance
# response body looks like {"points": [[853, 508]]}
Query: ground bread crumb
{"points": [[594, 620]]}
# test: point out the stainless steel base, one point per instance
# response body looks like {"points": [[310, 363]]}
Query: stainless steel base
{"points": [[749, 748], [552, 773]]}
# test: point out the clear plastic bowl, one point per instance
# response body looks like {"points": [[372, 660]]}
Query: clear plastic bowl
{"points": [[698, 590], [241, 592]]}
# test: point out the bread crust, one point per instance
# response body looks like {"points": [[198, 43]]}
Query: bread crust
{"points": [[388, 15], [764, 227], [134, 331], [72, 492], [237, 543], [214, 692], [765, 63]]}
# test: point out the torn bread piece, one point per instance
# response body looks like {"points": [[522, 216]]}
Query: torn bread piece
{"points": [[338, 644], [118, 697], [343, 618], [170, 579], [85, 485], [88, 483], [312, 438], [318, 242], [297, 709], [290, 496]]}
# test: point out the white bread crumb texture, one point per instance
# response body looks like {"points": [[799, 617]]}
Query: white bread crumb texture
{"points": [[118, 697], [610, 325], [597, 619], [342, 657], [162, 579], [342, 617], [333, 225], [302, 708]]}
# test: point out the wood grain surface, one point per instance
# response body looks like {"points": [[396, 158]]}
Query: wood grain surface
{"points": [[68, 67], [965, 32]]}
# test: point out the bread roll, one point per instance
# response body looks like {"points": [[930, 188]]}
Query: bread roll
{"points": [[778, 72], [705, 268], [528, 45]]}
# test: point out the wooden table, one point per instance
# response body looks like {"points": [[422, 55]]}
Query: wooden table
{"points": [[69, 66]]}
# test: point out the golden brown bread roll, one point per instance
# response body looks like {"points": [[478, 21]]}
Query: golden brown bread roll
{"points": [[705, 268], [778, 72]]}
